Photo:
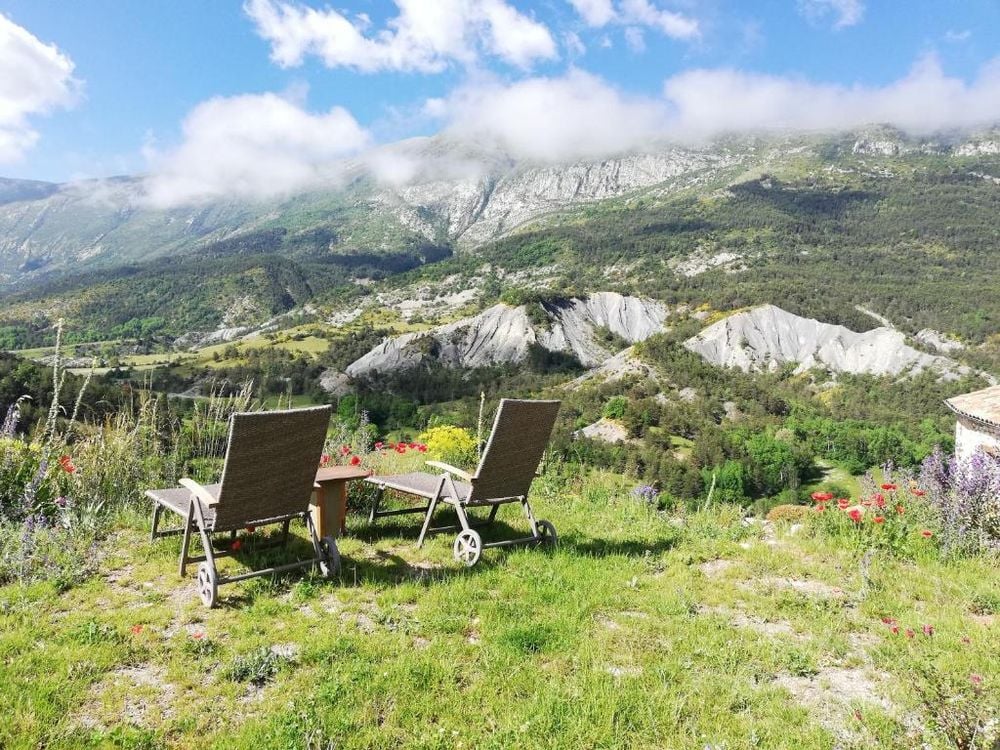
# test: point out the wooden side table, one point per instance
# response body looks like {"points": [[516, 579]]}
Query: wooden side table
{"points": [[329, 506]]}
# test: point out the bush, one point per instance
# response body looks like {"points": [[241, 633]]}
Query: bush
{"points": [[788, 514], [453, 445], [615, 408]]}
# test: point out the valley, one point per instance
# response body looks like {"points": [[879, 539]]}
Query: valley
{"points": [[825, 294]]}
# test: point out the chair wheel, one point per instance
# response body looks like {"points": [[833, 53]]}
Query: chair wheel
{"points": [[547, 533], [208, 587], [329, 566], [468, 547]]}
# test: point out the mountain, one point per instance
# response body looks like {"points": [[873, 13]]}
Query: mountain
{"points": [[503, 334], [435, 189], [768, 338]]}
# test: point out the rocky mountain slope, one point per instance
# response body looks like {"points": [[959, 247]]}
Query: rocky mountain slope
{"points": [[767, 338], [502, 335], [420, 190]]}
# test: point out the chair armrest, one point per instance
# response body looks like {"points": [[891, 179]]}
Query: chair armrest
{"points": [[198, 491], [451, 470]]}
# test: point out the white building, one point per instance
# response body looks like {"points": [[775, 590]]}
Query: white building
{"points": [[978, 421]]}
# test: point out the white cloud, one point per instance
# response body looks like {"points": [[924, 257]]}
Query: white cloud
{"points": [[706, 102], [635, 39], [672, 24], [599, 13], [957, 37], [844, 12], [552, 119], [595, 13], [425, 36], [574, 44], [35, 78], [251, 146]]}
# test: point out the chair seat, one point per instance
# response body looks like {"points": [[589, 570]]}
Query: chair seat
{"points": [[422, 484], [179, 500]]}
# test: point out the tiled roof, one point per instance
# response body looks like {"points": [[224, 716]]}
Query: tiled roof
{"points": [[982, 406]]}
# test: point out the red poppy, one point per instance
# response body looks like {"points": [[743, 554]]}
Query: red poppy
{"points": [[235, 546], [878, 519], [909, 633], [378, 445], [889, 620], [888, 486], [67, 464], [926, 533], [855, 515], [867, 503], [198, 635], [400, 448], [976, 679], [900, 509], [894, 629], [422, 448], [919, 493], [325, 458], [822, 497], [928, 630], [355, 460], [413, 445], [821, 508], [345, 450], [880, 500], [136, 629], [843, 502]]}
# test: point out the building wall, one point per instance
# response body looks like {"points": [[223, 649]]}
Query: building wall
{"points": [[969, 436]]}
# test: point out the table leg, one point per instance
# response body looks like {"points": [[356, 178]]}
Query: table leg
{"points": [[318, 510]]}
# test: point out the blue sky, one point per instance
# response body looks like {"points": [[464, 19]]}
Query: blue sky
{"points": [[127, 75]]}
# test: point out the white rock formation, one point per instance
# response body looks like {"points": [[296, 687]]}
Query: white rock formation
{"points": [[606, 430], [941, 341], [767, 337], [503, 334]]}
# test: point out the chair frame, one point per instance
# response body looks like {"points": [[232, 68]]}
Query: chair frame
{"points": [[326, 556], [468, 544]]}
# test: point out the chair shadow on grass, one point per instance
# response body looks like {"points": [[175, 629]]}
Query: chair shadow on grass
{"points": [[377, 564]]}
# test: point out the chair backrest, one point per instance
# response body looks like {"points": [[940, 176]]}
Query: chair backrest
{"points": [[521, 432], [271, 463]]}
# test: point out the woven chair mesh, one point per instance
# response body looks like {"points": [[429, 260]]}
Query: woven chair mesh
{"points": [[521, 432], [421, 484], [270, 465]]}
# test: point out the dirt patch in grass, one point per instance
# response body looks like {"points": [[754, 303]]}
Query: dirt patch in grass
{"points": [[811, 588], [139, 695], [837, 696], [744, 621], [715, 568]]}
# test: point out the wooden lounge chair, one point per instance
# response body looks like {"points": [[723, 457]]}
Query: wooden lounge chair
{"points": [[508, 465], [268, 478]]}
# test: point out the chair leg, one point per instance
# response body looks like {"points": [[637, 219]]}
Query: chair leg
{"points": [[376, 501], [157, 511], [427, 521], [530, 516], [284, 532], [463, 517], [186, 542]]}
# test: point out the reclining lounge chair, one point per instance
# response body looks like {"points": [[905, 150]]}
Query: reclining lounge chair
{"points": [[520, 435], [268, 478]]}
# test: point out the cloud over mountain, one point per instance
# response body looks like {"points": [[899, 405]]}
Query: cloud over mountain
{"points": [[35, 78], [252, 146]]}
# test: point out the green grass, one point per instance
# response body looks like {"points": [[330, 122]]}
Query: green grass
{"points": [[621, 638]]}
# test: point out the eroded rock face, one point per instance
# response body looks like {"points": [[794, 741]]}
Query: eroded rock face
{"points": [[767, 337], [503, 334]]}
